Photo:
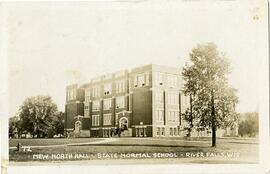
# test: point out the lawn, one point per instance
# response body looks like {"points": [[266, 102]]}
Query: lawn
{"points": [[187, 150], [48, 141]]}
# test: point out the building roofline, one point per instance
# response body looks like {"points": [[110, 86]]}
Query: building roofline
{"points": [[154, 67]]}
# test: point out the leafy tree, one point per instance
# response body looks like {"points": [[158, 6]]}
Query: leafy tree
{"points": [[249, 124], [36, 114], [213, 100], [12, 126], [57, 125]]}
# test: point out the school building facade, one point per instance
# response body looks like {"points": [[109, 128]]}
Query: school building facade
{"points": [[141, 102]]}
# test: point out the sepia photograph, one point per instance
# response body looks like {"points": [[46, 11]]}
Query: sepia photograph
{"points": [[119, 83]]}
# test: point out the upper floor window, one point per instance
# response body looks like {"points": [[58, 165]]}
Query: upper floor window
{"points": [[173, 116], [107, 89], [95, 105], [159, 97], [86, 110], [173, 98], [120, 102], [87, 95], [95, 120], [159, 115], [172, 81], [141, 80], [95, 91], [120, 86], [107, 104], [107, 118], [71, 94], [159, 79]]}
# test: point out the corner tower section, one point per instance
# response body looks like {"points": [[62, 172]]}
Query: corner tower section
{"points": [[75, 123]]}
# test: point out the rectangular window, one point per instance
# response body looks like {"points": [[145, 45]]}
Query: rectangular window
{"points": [[175, 132], [116, 118], [159, 97], [159, 79], [120, 86], [173, 98], [159, 115], [163, 131], [172, 81], [96, 105], [107, 118], [135, 81], [107, 104], [86, 110], [141, 80], [158, 131], [120, 102], [87, 95], [95, 91], [95, 120], [171, 131], [107, 89]]}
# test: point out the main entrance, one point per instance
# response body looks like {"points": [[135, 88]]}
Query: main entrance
{"points": [[123, 126], [123, 123]]}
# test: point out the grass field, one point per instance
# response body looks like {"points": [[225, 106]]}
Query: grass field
{"points": [[193, 150]]}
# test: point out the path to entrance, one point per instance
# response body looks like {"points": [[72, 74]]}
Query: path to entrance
{"points": [[99, 141]]}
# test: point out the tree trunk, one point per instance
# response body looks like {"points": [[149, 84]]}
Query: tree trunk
{"points": [[213, 119], [190, 116], [213, 136]]}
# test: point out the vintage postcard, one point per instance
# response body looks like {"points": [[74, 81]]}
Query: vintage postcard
{"points": [[135, 86]]}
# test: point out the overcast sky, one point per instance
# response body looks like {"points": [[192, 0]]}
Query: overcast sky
{"points": [[51, 45]]}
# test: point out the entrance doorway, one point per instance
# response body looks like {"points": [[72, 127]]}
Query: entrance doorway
{"points": [[123, 123]]}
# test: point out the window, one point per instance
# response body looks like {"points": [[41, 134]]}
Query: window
{"points": [[95, 105], [107, 89], [87, 95], [71, 94], [163, 131], [120, 102], [116, 118], [95, 91], [135, 81], [95, 120], [120, 86], [173, 98], [159, 97], [174, 132], [159, 115], [172, 81], [107, 118], [173, 116], [171, 131], [159, 79], [158, 131], [86, 110], [107, 104], [141, 80]]}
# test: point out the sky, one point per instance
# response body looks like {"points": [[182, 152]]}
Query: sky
{"points": [[51, 45]]}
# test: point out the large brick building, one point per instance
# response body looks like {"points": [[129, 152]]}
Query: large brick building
{"points": [[143, 102]]}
